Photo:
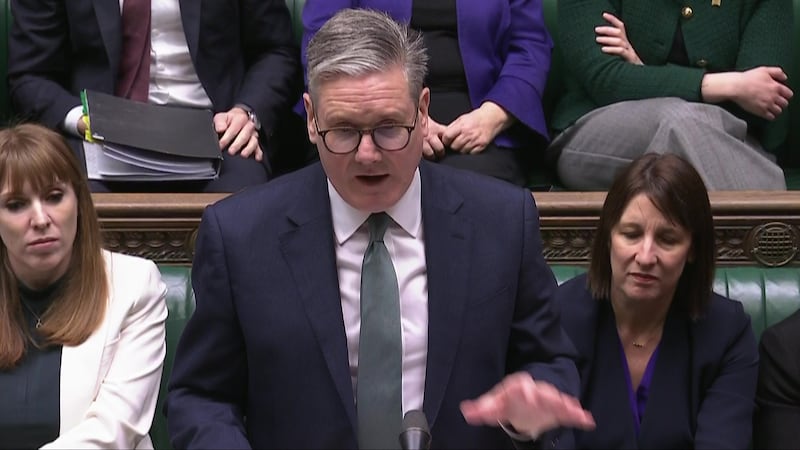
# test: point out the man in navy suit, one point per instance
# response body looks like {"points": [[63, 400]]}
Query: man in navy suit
{"points": [[235, 57], [270, 357]]}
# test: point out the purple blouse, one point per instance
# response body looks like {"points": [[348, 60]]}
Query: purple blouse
{"points": [[638, 399]]}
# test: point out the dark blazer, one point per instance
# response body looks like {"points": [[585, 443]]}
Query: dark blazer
{"points": [[505, 48], [778, 396], [267, 340], [242, 50], [702, 391]]}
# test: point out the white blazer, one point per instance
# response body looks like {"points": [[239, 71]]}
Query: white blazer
{"points": [[110, 383]]}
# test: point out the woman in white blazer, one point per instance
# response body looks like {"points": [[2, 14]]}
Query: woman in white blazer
{"points": [[82, 337]]}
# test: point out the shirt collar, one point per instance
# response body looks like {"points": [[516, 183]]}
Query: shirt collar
{"points": [[407, 212]]}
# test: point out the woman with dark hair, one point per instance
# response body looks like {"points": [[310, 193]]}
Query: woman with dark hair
{"points": [[81, 329], [664, 361]]}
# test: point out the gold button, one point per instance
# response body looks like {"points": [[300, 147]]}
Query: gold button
{"points": [[687, 12], [702, 63]]}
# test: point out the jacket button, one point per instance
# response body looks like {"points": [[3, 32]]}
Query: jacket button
{"points": [[687, 12], [702, 63]]}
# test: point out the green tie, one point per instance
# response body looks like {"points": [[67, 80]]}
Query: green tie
{"points": [[379, 393]]}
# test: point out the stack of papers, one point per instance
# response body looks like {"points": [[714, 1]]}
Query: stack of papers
{"points": [[134, 141]]}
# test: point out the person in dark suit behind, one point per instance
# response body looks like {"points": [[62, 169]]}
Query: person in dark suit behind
{"points": [[284, 349], [778, 393], [664, 362], [237, 58]]}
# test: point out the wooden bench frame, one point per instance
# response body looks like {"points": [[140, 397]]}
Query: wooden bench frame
{"points": [[752, 227]]}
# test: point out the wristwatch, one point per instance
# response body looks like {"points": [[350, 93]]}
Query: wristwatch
{"points": [[251, 115]]}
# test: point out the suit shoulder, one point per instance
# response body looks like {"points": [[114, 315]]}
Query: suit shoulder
{"points": [[472, 181], [574, 301], [273, 196], [133, 280], [574, 289], [787, 329], [124, 263], [725, 320], [721, 306], [479, 192]]}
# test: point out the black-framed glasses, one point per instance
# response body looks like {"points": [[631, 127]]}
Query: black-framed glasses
{"points": [[344, 140]]}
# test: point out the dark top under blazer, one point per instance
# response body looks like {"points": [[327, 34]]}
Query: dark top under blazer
{"points": [[702, 391], [778, 396], [504, 45], [243, 52], [267, 340]]}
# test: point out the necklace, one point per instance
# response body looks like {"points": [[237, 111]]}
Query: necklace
{"points": [[648, 337], [38, 318], [643, 344]]}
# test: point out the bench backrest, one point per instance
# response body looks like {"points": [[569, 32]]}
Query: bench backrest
{"points": [[768, 295]]}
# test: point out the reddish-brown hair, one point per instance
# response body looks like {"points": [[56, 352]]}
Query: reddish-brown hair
{"points": [[39, 157]]}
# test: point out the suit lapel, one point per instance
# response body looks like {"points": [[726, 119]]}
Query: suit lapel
{"points": [[79, 377], [190, 18], [109, 20], [447, 249], [80, 367], [308, 250], [609, 391], [669, 387]]}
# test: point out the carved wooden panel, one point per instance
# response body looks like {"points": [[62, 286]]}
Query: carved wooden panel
{"points": [[752, 228], [161, 227]]}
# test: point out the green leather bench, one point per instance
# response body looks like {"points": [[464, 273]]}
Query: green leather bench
{"points": [[768, 296]]}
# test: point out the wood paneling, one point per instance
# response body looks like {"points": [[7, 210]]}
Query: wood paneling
{"points": [[752, 228]]}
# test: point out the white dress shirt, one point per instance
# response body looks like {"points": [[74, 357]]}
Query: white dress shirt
{"points": [[405, 242], [173, 78]]}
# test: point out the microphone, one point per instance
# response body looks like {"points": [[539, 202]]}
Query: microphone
{"points": [[415, 434]]}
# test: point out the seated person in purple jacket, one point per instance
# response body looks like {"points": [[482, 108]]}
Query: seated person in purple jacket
{"points": [[488, 66]]}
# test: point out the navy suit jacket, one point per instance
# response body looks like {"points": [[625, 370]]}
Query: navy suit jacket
{"points": [[778, 395], [702, 392], [243, 52], [267, 340]]}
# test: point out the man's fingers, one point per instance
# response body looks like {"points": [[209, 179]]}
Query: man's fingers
{"points": [[242, 137], [220, 122], [252, 148], [482, 411], [259, 152], [573, 415], [227, 138]]}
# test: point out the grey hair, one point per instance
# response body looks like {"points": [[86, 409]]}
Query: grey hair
{"points": [[356, 42]]}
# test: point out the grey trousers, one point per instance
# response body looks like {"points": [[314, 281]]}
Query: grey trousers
{"points": [[714, 141]]}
